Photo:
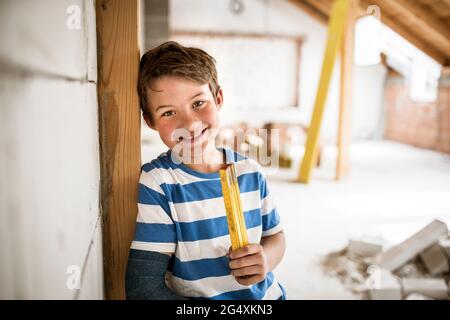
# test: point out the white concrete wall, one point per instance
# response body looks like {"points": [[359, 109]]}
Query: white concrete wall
{"points": [[282, 17], [368, 105], [49, 158]]}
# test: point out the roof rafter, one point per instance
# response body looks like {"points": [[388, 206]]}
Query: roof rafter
{"points": [[421, 16], [426, 19]]}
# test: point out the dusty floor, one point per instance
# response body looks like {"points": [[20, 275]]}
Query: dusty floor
{"points": [[393, 191]]}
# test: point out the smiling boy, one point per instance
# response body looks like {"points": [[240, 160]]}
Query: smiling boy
{"points": [[181, 247]]}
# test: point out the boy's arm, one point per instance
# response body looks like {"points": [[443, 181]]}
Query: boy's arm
{"points": [[153, 244], [274, 247], [251, 263], [145, 276]]}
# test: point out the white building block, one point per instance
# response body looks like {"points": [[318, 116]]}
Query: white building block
{"points": [[417, 296], [435, 260], [398, 255], [383, 285], [365, 246], [432, 288]]}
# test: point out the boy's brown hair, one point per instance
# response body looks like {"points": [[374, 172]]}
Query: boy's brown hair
{"points": [[171, 58]]}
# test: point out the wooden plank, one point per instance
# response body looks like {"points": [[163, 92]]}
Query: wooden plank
{"points": [[298, 55], [324, 6], [432, 48], [346, 89], [233, 34], [335, 32], [423, 20], [119, 121]]}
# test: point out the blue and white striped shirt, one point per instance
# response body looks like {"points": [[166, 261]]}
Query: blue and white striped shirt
{"points": [[181, 211]]}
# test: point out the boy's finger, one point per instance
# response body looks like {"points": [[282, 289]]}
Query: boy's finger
{"points": [[244, 262], [246, 281], [245, 251], [246, 271]]}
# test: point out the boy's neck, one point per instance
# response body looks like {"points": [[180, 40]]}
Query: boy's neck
{"points": [[212, 161]]}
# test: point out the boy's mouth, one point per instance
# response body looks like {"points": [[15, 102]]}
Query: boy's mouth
{"points": [[194, 139]]}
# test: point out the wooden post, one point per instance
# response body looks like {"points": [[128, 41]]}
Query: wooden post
{"points": [[119, 126], [346, 90], [335, 31]]}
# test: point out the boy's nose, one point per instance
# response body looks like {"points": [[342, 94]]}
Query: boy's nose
{"points": [[190, 123]]}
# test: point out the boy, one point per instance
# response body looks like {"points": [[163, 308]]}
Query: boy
{"points": [[181, 247]]}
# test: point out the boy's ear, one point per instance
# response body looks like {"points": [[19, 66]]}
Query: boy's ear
{"points": [[148, 121], [219, 98]]}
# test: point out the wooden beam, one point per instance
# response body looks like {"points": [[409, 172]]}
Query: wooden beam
{"points": [[420, 16], [334, 40], [324, 6], [233, 34], [346, 90], [119, 122], [408, 34]]}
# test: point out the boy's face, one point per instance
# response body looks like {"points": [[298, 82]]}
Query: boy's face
{"points": [[183, 112]]}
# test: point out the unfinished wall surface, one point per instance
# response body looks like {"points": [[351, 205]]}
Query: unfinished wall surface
{"points": [[156, 22], [281, 17], [50, 227], [421, 124]]}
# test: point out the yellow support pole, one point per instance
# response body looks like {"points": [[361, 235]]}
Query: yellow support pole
{"points": [[336, 26]]}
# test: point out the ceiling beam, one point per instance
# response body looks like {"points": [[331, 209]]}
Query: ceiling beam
{"points": [[321, 8], [324, 6], [420, 16], [418, 42]]}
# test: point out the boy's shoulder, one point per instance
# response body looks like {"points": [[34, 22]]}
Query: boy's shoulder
{"points": [[153, 169], [160, 162]]}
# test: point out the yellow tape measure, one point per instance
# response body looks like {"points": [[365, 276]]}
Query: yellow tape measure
{"points": [[233, 207]]}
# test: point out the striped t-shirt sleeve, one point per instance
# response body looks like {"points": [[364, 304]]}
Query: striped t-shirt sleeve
{"points": [[155, 229], [271, 222]]}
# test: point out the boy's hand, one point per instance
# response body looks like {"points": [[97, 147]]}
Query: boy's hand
{"points": [[248, 264]]}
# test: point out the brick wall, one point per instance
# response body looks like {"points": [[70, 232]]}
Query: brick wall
{"points": [[425, 125]]}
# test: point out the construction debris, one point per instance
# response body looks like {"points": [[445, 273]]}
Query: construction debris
{"points": [[365, 246], [397, 256], [383, 285], [435, 260], [416, 269], [445, 246], [433, 288], [417, 296]]}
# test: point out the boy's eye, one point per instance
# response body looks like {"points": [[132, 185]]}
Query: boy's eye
{"points": [[168, 113], [198, 104]]}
